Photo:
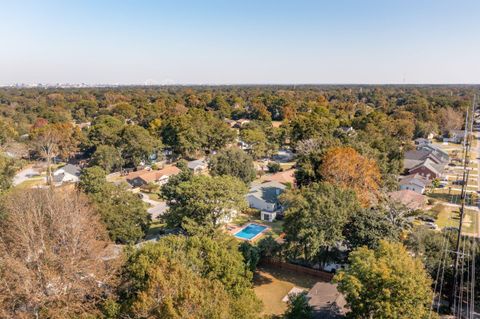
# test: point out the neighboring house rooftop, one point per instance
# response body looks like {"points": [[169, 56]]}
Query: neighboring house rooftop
{"points": [[153, 175], [414, 179], [430, 165], [327, 301], [196, 164], [70, 169], [409, 198], [268, 191]]}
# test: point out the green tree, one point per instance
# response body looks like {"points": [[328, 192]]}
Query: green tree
{"points": [[315, 216], [251, 255], [233, 162], [7, 131], [208, 201], [179, 276], [256, 140], [107, 157], [137, 144], [298, 307], [105, 130], [92, 180], [7, 172], [268, 247], [385, 283], [122, 212], [367, 227]]}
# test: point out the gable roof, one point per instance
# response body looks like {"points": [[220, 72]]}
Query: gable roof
{"points": [[153, 175], [327, 301], [409, 198], [430, 165], [196, 163], [415, 179], [268, 191], [69, 169]]}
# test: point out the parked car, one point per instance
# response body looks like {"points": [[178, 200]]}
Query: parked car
{"points": [[431, 225], [458, 182], [426, 218]]}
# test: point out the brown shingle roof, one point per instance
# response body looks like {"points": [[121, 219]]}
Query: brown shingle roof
{"points": [[153, 175], [409, 198]]}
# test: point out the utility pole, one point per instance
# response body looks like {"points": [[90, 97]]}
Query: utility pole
{"points": [[466, 144]]}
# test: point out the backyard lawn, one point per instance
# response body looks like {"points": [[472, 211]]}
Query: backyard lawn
{"points": [[450, 217], [272, 284]]}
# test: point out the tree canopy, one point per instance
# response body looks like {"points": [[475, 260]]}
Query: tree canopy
{"points": [[208, 201], [233, 162], [385, 283]]}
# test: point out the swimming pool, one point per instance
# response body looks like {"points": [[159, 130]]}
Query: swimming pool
{"points": [[250, 231]]}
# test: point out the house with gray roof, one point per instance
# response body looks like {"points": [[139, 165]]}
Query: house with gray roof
{"points": [[414, 182], [198, 166], [327, 302], [264, 197], [455, 136], [67, 174]]}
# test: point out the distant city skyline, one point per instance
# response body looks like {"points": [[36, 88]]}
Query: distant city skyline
{"points": [[240, 42]]}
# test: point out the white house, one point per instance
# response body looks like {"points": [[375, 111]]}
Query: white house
{"points": [[67, 174], [264, 197], [414, 182]]}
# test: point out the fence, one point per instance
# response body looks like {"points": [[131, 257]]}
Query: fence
{"points": [[326, 276]]}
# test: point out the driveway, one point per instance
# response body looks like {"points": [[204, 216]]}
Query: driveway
{"points": [[25, 175], [156, 208]]}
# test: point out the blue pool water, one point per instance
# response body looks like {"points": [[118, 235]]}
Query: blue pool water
{"points": [[250, 231]]}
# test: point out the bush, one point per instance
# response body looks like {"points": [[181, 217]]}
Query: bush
{"points": [[274, 167]]}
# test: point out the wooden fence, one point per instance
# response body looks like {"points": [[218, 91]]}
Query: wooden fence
{"points": [[323, 275]]}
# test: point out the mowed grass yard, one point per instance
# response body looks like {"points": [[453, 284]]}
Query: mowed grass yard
{"points": [[450, 217], [271, 285]]}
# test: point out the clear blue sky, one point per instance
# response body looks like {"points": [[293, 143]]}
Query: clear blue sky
{"points": [[243, 41]]}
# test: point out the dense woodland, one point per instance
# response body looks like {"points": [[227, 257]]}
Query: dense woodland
{"points": [[198, 271]]}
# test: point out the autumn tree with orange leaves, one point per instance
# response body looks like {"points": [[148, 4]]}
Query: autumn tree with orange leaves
{"points": [[346, 168]]}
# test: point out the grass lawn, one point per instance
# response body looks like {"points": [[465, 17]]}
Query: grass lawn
{"points": [[272, 284], [29, 183], [154, 230], [450, 217]]}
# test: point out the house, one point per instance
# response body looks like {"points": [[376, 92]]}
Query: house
{"points": [[428, 169], [422, 141], [435, 151], [145, 176], [409, 198], [327, 302], [264, 197], [455, 136], [198, 166], [414, 182], [67, 174], [347, 130], [283, 156]]}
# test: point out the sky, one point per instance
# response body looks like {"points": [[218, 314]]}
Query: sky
{"points": [[240, 41]]}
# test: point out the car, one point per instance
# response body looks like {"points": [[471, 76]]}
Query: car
{"points": [[431, 225], [426, 218], [458, 182]]}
